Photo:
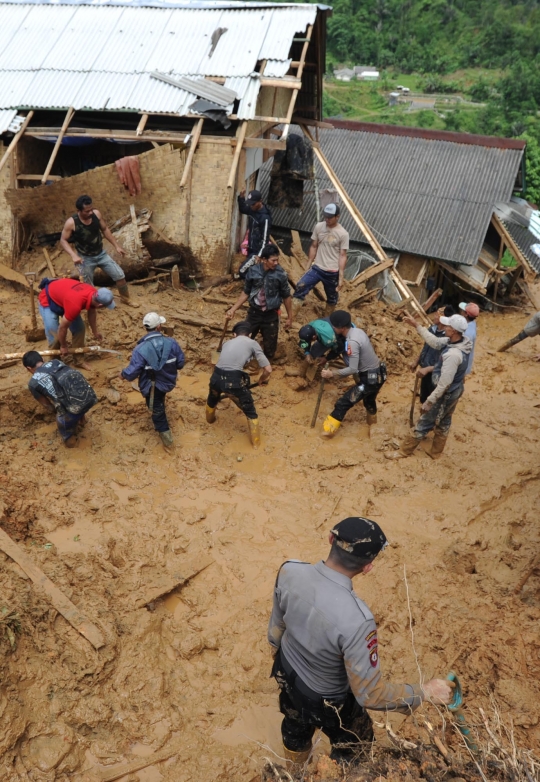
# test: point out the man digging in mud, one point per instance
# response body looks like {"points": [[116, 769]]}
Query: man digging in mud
{"points": [[229, 379], [156, 361], [60, 305], [319, 344], [326, 650], [85, 229], [448, 376]]}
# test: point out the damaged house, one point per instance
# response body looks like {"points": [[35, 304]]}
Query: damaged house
{"points": [[432, 200], [167, 107]]}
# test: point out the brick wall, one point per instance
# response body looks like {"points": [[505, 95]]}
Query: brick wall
{"points": [[44, 209]]}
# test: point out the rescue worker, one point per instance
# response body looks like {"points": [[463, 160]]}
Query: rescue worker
{"points": [[156, 360], [428, 356], [63, 389], [328, 257], [326, 650], [470, 312], [319, 343], [60, 305], [266, 287], [259, 227], [448, 377], [369, 373], [229, 379], [85, 230], [530, 329]]}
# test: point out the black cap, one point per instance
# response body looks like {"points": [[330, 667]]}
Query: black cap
{"points": [[254, 197], [307, 333], [360, 537], [340, 319], [269, 250], [242, 325]]}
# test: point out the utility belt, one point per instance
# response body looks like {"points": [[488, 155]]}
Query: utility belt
{"points": [[373, 377], [230, 379], [287, 677]]}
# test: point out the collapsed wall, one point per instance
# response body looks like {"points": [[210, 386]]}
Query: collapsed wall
{"points": [[197, 215]]}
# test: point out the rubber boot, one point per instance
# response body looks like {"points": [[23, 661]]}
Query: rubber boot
{"points": [[210, 414], [407, 448], [254, 432], [521, 336], [77, 341], [328, 310], [437, 447], [296, 759], [167, 438], [330, 426], [371, 418], [123, 290], [71, 442]]}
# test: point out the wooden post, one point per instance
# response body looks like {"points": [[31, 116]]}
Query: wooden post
{"points": [[142, 124], [65, 125], [501, 253], [299, 72], [241, 135], [195, 136], [49, 262], [15, 139], [404, 291]]}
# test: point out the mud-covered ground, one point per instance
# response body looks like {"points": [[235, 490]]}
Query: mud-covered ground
{"points": [[106, 522]]}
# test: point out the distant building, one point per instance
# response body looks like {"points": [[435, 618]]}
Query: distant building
{"points": [[344, 74], [366, 72], [393, 99]]}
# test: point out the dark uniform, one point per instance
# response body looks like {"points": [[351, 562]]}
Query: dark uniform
{"points": [[266, 291], [229, 379]]}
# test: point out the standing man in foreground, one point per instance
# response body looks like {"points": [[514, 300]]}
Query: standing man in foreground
{"points": [[448, 377], [85, 229], [229, 379], [156, 361], [259, 227], [266, 288], [326, 649], [328, 258], [429, 356], [369, 373], [60, 305]]}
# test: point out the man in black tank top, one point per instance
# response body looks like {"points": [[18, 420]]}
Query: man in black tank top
{"points": [[82, 239]]}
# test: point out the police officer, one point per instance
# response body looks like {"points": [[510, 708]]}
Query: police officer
{"points": [[229, 379], [369, 373], [327, 656]]}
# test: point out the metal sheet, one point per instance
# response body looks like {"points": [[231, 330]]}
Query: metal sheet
{"points": [[6, 118], [202, 88]]}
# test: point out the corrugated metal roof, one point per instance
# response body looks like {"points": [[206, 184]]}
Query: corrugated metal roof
{"points": [[525, 240], [428, 197], [6, 118], [99, 56]]}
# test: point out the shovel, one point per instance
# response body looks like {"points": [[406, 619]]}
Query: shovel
{"points": [[34, 334], [318, 404], [214, 358], [456, 707]]}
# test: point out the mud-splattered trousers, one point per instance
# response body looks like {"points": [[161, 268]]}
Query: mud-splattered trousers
{"points": [[342, 719], [234, 384], [365, 391], [266, 322], [439, 417]]}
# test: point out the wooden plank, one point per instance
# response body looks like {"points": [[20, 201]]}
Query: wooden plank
{"points": [[49, 262], [37, 177], [110, 775], [15, 139], [240, 143], [45, 587], [142, 124], [65, 124], [7, 273], [458, 273], [195, 136], [522, 259], [372, 271], [312, 123], [432, 299], [167, 582], [261, 143]]}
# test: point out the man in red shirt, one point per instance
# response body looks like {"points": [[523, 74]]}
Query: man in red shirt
{"points": [[60, 305]]}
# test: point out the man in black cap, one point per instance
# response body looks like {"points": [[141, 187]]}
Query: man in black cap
{"points": [[319, 343], [369, 373], [326, 650], [259, 227]]}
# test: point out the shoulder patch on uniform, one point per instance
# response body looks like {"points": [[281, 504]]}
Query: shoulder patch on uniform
{"points": [[369, 636], [374, 658]]}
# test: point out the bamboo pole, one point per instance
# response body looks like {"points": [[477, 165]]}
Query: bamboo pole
{"points": [[195, 136], [69, 115], [240, 143], [15, 139], [142, 124]]}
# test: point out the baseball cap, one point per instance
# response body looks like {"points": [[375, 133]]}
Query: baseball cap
{"points": [[472, 309], [105, 296], [254, 197], [331, 210], [457, 322], [340, 319], [307, 333], [360, 537], [152, 319]]}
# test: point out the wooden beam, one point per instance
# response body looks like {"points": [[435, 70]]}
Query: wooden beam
{"points": [[371, 271], [49, 262], [65, 124], [241, 135], [142, 124], [296, 90], [37, 177], [15, 139], [45, 587], [312, 123], [195, 136], [261, 143]]}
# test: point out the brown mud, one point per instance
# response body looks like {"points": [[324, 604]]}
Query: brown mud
{"points": [[108, 520]]}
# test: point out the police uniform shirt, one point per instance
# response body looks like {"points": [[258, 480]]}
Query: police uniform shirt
{"points": [[236, 353], [329, 637], [362, 357]]}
